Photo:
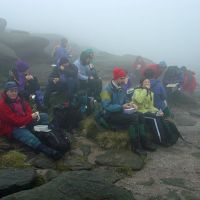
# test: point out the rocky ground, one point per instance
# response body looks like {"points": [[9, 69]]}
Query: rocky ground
{"points": [[174, 172], [104, 167]]}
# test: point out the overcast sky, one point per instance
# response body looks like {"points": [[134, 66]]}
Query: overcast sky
{"points": [[157, 29]]}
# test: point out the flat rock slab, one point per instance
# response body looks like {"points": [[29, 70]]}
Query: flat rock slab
{"points": [[184, 119], [14, 180], [42, 162], [120, 159], [80, 185], [77, 162]]}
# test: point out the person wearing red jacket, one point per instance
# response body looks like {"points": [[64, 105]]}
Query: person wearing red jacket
{"points": [[189, 80], [17, 118]]}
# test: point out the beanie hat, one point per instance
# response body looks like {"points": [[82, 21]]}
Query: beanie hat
{"points": [[118, 73], [10, 85], [21, 65]]}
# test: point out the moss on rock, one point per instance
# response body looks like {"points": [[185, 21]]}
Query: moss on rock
{"points": [[13, 159], [113, 140]]}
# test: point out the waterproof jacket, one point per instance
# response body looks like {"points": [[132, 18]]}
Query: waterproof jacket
{"points": [[159, 94], [69, 72], [189, 83], [143, 98], [59, 53], [85, 71], [113, 98], [10, 119]]}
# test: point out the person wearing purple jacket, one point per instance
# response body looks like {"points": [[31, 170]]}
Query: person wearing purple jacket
{"points": [[28, 84], [160, 95]]}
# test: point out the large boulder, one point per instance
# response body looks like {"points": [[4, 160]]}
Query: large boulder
{"points": [[25, 45], [80, 185], [7, 58], [14, 180]]}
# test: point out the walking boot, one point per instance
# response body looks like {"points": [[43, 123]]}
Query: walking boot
{"points": [[51, 153], [148, 145], [135, 141]]}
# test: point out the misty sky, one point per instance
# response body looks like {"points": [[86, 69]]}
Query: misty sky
{"points": [[157, 29]]}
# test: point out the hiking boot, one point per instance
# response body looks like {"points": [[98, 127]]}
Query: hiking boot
{"points": [[56, 155], [149, 145], [137, 148]]}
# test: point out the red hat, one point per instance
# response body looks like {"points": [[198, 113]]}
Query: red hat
{"points": [[118, 73]]}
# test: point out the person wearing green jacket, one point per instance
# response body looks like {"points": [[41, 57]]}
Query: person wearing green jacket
{"points": [[143, 98]]}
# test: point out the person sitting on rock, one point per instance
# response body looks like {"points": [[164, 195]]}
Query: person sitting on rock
{"points": [[28, 84], [114, 104], [61, 51], [143, 97], [17, 120], [63, 79], [160, 96], [87, 74]]}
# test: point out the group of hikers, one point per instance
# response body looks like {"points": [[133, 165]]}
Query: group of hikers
{"points": [[142, 111]]}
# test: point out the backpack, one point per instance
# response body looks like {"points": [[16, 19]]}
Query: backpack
{"points": [[55, 139], [65, 117], [163, 130]]}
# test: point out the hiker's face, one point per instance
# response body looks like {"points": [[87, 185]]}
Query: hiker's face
{"points": [[12, 93], [87, 61], [63, 66], [121, 81], [146, 83]]}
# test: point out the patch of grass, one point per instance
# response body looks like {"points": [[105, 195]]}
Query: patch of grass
{"points": [[89, 128], [13, 159], [60, 166], [39, 181], [113, 140], [127, 171]]}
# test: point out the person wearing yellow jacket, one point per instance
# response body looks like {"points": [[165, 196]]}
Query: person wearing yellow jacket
{"points": [[155, 119], [143, 98]]}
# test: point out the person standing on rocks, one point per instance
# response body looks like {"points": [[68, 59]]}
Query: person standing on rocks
{"points": [[17, 120], [61, 51], [116, 107]]}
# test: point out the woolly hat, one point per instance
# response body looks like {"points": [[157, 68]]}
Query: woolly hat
{"points": [[21, 65], [118, 73], [10, 85]]}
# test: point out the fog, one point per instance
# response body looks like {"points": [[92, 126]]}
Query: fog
{"points": [[157, 29]]}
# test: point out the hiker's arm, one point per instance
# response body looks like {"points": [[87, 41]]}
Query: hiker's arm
{"points": [[12, 118], [107, 103]]}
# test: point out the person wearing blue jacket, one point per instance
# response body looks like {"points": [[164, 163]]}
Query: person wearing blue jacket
{"points": [[160, 95], [114, 103], [87, 74]]}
